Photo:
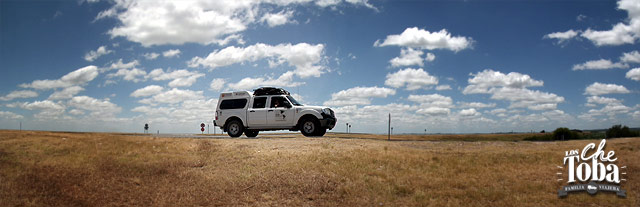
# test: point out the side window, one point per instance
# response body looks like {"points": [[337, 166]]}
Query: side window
{"points": [[279, 102], [233, 103], [259, 102]]}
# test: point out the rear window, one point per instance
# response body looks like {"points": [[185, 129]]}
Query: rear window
{"points": [[233, 103], [259, 102]]}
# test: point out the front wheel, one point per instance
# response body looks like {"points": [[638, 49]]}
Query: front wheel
{"points": [[251, 133], [310, 127], [235, 128]]}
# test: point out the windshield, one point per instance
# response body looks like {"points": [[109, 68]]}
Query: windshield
{"points": [[293, 101]]}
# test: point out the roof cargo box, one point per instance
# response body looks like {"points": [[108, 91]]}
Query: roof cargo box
{"points": [[270, 91]]}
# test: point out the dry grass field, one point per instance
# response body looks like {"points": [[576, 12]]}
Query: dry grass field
{"points": [[103, 169]]}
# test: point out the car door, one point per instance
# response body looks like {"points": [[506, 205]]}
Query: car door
{"points": [[280, 112], [257, 113]]}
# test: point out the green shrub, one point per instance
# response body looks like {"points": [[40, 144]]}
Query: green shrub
{"points": [[620, 131], [564, 133]]}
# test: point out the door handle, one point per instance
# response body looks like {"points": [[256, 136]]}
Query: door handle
{"points": [[252, 111], [269, 110]]}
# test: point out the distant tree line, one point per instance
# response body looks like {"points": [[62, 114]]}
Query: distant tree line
{"points": [[564, 133]]}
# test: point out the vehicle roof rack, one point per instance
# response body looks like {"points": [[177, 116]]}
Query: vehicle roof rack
{"points": [[270, 91]]}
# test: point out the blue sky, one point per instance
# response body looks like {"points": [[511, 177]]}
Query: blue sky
{"points": [[444, 66]]}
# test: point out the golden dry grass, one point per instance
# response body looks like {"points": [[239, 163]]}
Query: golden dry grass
{"points": [[79, 169]]}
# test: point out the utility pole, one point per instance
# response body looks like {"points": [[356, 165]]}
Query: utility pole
{"points": [[425, 131], [20, 126], [346, 128], [389, 129], [208, 129]]}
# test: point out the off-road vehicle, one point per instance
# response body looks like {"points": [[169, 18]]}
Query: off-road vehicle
{"points": [[269, 108]]}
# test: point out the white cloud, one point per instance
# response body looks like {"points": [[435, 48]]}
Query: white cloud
{"points": [[562, 36], [633, 74], [217, 84], [48, 109], [277, 19], [476, 105], [621, 33], [99, 108], [602, 100], [151, 56], [601, 88], [171, 53], [433, 104], [95, 54], [174, 96], [198, 21], [285, 80], [179, 78], [408, 57], [358, 96], [601, 64], [147, 91], [10, 115], [430, 57], [631, 57], [134, 75], [423, 39], [469, 112], [78, 77], [304, 57], [120, 65], [66, 93], [526, 98], [483, 81], [19, 94], [413, 79], [443, 87]]}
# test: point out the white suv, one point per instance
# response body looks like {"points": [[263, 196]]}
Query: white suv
{"points": [[269, 108]]}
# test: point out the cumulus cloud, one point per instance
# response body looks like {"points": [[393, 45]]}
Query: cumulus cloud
{"points": [[601, 88], [430, 57], [19, 94], [483, 81], [95, 54], [408, 57], [631, 57], [413, 79], [277, 19], [602, 100], [134, 75], [121, 65], [151, 56], [621, 33], [217, 84], [76, 78], [98, 108], [10, 115], [443, 87], [358, 96], [601, 64], [179, 78], [432, 104], [304, 57], [66, 93], [476, 105], [48, 109], [149, 90], [469, 112], [171, 53], [285, 80], [173, 96], [512, 87], [198, 21], [633, 74], [414, 37], [562, 36]]}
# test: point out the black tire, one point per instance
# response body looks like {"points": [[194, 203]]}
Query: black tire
{"points": [[251, 133], [310, 127], [235, 128], [321, 132]]}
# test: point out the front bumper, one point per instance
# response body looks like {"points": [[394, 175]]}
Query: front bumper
{"points": [[328, 121]]}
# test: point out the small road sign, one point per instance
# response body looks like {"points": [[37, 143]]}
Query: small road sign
{"points": [[202, 125]]}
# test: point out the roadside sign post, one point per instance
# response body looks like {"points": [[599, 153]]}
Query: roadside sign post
{"points": [[146, 128], [202, 128], [389, 129]]}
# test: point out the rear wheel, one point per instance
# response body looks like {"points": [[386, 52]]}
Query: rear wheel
{"points": [[235, 128], [310, 127], [251, 133]]}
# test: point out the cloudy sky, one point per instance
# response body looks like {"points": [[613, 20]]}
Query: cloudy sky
{"points": [[443, 66]]}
